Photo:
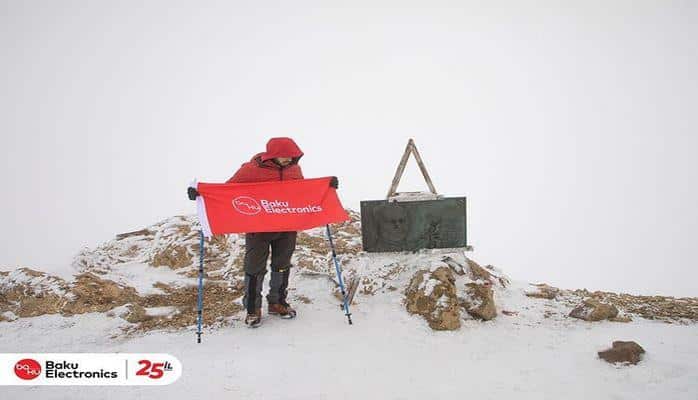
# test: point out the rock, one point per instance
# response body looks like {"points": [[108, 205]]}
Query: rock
{"points": [[476, 272], [136, 313], [303, 299], [480, 301], [29, 293], [544, 292], [90, 293], [594, 310], [8, 316], [141, 232], [433, 296], [622, 318], [455, 265], [663, 308], [40, 304], [623, 352], [173, 256]]}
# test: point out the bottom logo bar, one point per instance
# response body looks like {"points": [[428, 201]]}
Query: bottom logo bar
{"points": [[88, 369]]}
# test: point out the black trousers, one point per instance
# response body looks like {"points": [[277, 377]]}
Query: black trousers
{"points": [[257, 249]]}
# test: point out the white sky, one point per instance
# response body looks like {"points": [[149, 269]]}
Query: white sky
{"points": [[571, 128]]}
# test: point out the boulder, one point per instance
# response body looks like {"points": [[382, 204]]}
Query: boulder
{"points": [[594, 310], [454, 265], [432, 294], [479, 301], [483, 274], [477, 273], [623, 352]]}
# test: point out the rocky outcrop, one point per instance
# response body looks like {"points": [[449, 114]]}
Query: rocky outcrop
{"points": [[456, 266], [477, 273], [544, 291], [623, 352], [90, 293], [479, 301], [664, 308], [135, 314], [432, 294], [622, 318], [485, 274], [25, 292], [28, 293], [594, 310], [109, 280]]}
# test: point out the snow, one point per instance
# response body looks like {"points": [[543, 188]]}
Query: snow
{"points": [[428, 285], [414, 196], [443, 301], [385, 354], [160, 311], [142, 277], [40, 284], [536, 352], [8, 315]]}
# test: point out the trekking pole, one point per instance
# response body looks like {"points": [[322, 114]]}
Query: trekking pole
{"points": [[200, 300], [339, 276]]}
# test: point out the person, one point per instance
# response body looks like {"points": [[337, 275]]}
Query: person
{"points": [[278, 163]]}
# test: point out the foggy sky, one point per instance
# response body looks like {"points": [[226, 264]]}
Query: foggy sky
{"points": [[571, 128]]}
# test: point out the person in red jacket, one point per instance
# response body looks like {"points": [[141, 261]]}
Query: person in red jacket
{"points": [[279, 162]]}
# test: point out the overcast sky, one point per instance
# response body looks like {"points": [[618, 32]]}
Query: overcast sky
{"points": [[572, 129]]}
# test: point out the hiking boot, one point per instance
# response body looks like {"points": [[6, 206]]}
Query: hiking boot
{"points": [[254, 320], [283, 310]]}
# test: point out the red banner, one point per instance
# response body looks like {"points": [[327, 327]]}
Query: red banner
{"points": [[278, 206]]}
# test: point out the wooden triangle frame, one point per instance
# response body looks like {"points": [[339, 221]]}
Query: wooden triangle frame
{"points": [[410, 149]]}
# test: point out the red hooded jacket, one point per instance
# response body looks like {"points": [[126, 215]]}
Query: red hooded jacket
{"points": [[262, 168]]}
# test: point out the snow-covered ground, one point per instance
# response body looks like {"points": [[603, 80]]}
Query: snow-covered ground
{"points": [[385, 354], [532, 349]]}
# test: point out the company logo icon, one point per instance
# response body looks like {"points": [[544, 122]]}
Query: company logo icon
{"points": [[27, 369], [246, 205]]}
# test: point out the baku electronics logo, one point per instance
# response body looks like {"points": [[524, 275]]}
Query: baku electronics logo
{"points": [[249, 206], [246, 205], [27, 369], [87, 369]]}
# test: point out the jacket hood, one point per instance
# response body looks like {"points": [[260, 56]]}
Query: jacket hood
{"points": [[282, 147]]}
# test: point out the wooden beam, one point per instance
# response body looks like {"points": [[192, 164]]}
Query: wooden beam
{"points": [[410, 148], [400, 169], [423, 168]]}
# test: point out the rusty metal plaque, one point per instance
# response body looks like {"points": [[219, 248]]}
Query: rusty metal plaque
{"points": [[413, 225]]}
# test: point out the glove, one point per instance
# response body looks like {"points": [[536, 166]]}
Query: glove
{"points": [[334, 182], [192, 193]]}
